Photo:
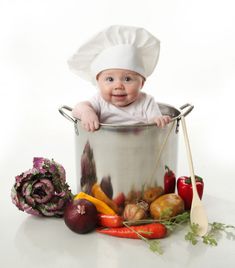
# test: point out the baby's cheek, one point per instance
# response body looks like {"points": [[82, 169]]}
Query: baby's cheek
{"points": [[106, 96]]}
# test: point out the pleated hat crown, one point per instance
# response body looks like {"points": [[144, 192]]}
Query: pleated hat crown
{"points": [[117, 47]]}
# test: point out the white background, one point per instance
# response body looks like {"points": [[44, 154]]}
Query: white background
{"points": [[197, 65]]}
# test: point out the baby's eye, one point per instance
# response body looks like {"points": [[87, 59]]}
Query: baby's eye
{"points": [[127, 78], [109, 79]]}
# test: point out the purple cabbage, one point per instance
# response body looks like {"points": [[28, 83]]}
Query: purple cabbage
{"points": [[42, 190]]}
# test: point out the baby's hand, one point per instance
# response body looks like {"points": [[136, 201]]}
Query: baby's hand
{"points": [[87, 115], [90, 121], [162, 121]]}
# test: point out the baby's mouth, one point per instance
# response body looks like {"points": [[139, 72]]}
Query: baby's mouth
{"points": [[119, 95]]}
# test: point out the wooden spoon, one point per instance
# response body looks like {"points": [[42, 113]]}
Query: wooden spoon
{"points": [[197, 214]]}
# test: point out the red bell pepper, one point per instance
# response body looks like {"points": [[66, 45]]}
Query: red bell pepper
{"points": [[169, 181], [184, 187], [150, 231]]}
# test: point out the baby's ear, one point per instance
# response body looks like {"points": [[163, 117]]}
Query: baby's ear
{"points": [[143, 82]]}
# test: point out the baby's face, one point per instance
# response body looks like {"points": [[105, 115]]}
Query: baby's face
{"points": [[119, 87]]}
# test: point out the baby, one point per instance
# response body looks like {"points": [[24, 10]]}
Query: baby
{"points": [[118, 60]]}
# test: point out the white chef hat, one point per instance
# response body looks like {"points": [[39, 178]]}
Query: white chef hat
{"points": [[117, 47]]}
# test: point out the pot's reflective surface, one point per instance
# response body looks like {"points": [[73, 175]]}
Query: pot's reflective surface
{"points": [[134, 157]]}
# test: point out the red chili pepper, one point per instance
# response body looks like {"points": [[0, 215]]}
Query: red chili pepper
{"points": [[120, 199], [110, 220], [169, 181], [184, 187], [150, 231]]}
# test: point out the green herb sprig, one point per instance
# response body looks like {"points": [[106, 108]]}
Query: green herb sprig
{"points": [[171, 224], [154, 245], [211, 238]]}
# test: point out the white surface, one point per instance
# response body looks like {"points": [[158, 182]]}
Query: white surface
{"points": [[197, 64]]}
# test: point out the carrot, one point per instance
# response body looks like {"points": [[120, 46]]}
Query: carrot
{"points": [[150, 231], [110, 220]]}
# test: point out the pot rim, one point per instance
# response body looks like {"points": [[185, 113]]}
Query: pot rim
{"points": [[180, 112]]}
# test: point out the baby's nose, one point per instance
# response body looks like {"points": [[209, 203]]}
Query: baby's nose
{"points": [[119, 84]]}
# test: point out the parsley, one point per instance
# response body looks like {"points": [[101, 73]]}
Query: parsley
{"points": [[211, 238], [154, 245]]}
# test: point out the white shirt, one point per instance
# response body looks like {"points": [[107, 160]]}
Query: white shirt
{"points": [[143, 110]]}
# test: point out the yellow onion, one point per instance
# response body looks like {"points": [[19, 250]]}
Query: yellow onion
{"points": [[134, 212]]}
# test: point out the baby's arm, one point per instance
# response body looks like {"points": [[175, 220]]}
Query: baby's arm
{"points": [[153, 112], [85, 112], [162, 121]]}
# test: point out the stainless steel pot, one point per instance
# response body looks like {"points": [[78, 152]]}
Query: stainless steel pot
{"points": [[128, 158]]}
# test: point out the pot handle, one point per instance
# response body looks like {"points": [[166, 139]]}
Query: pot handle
{"points": [[63, 110], [188, 110]]}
